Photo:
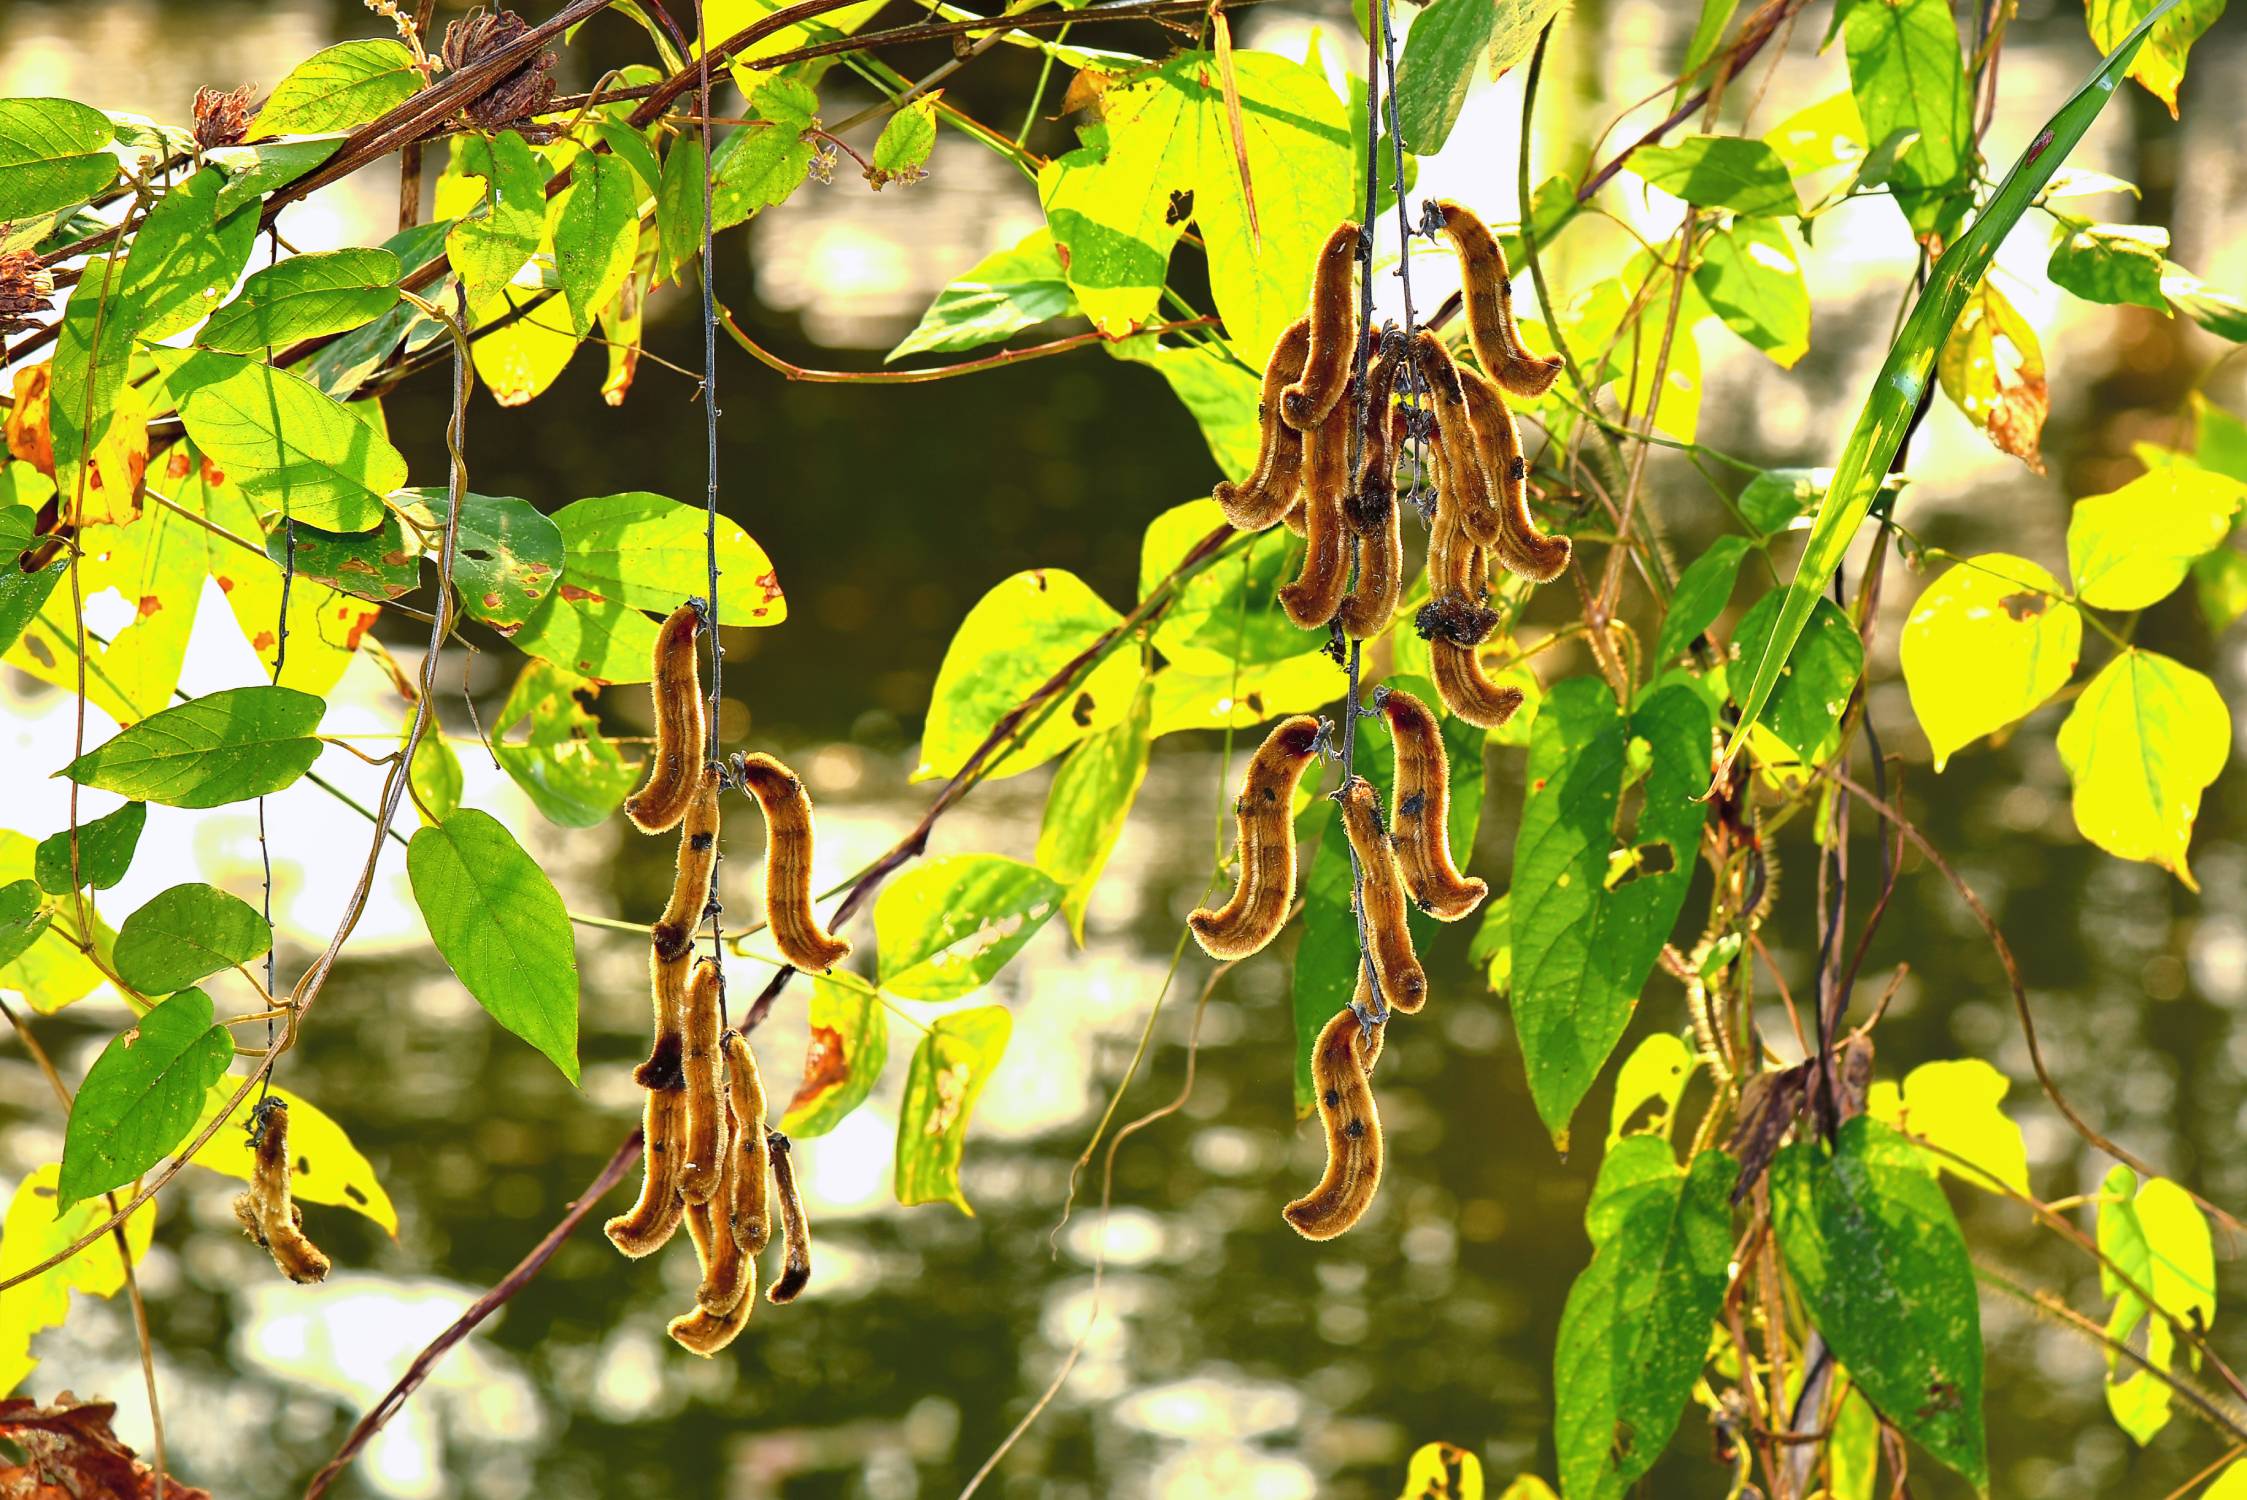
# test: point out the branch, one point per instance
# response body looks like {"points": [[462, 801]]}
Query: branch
{"points": [[772, 361]]}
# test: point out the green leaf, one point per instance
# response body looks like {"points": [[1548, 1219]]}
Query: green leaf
{"points": [[141, 1097], [2129, 547], [105, 851], [1636, 1324], [1992, 368], [678, 208], [33, 1232], [1987, 643], [1492, 949], [2161, 65], [185, 933], [380, 564], [436, 778], [253, 171], [844, 1059], [2155, 1236], [648, 551], [22, 595], [497, 920], [1001, 294], [1702, 592], [1721, 171], [1896, 390], [339, 88], [1442, 57], [284, 441], [1091, 796], [23, 918], [582, 633], [902, 150], [508, 557], [491, 244], [1752, 278], [2221, 313], [757, 167], [2116, 263], [946, 927], [571, 773], [328, 1167], [595, 226], [1804, 713], [1167, 131], [2141, 744], [1016, 638], [224, 747], [950, 1067], [1957, 1106], [1776, 498], [2220, 581], [1217, 392], [53, 153], [1581, 951], [1907, 74], [1871, 1245], [1655, 1073], [305, 296], [1228, 613]]}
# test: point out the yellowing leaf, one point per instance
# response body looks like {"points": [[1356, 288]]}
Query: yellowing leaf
{"points": [[848, 1049], [522, 357], [50, 974], [33, 1232], [2160, 64], [1443, 1471], [2141, 744], [1655, 1073], [1992, 368], [950, 1067], [2128, 548], [2155, 1236], [329, 1169], [1954, 1105], [1986, 643]]}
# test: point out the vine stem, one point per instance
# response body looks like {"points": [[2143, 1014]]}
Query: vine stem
{"points": [[710, 436]]}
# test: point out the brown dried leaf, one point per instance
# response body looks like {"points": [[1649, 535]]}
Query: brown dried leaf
{"points": [[72, 1453]]}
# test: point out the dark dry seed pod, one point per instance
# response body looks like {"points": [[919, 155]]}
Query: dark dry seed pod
{"points": [[1316, 593], [1489, 295], [1450, 619], [1520, 547], [789, 834], [1372, 600], [267, 1211], [27, 291], [222, 116], [749, 1180], [704, 1139], [698, 857], [1466, 494], [1264, 812], [1420, 815], [1464, 687], [675, 688], [527, 90], [1341, 1074], [1334, 329], [1396, 969], [1372, 500], [795, 1229], [1264, 497]]}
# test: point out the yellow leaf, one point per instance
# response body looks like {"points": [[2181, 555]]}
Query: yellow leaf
{"points": [[1986, 644], [2141, 744], [2130, 547], [524, 357], [1443, 1471], [50, 974], [1992, 368], [31, 1233], [1954, 1105], [1655, 1073], [329, 1169]]}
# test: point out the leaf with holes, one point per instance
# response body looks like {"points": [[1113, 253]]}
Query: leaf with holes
{"points": [[32, 1232], [380, 564], [105, 851], [1586, 924], [500, 925], [950, 1068], [508, 559], [502, 232], [1090, 798], [223, 747], [1992, 368], [185, 933], [946, 927], [844, 1058], [1956, 1105], [1987, 643], [142, 1095]]}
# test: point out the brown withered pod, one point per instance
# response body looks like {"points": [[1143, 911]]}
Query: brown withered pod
{"points": [[267, 1212]]}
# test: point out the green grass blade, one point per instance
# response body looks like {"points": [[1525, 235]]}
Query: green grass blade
{"points": [[1904, 374]]}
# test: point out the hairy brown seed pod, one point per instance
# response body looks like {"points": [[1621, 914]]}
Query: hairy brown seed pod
{"points": [[749, 1186], [706, 1330], [1489, 291], [1372, 501], [795, 1229], [1467, 498], [1293, 520], [1465, 689], [698, 856], [647, 1226], [1341, 1070], [727, 1273], [1521, 548], [1316, 593], [703, 1140], [1372, 600], [788, 849], [1396, 969], [677, 759], [1420, 817], [1266, 850], [267, 1211], [1265, 495], [1334, 329]]}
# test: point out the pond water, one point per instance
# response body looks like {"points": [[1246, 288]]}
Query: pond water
{"points": [[1228, 1357]]}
